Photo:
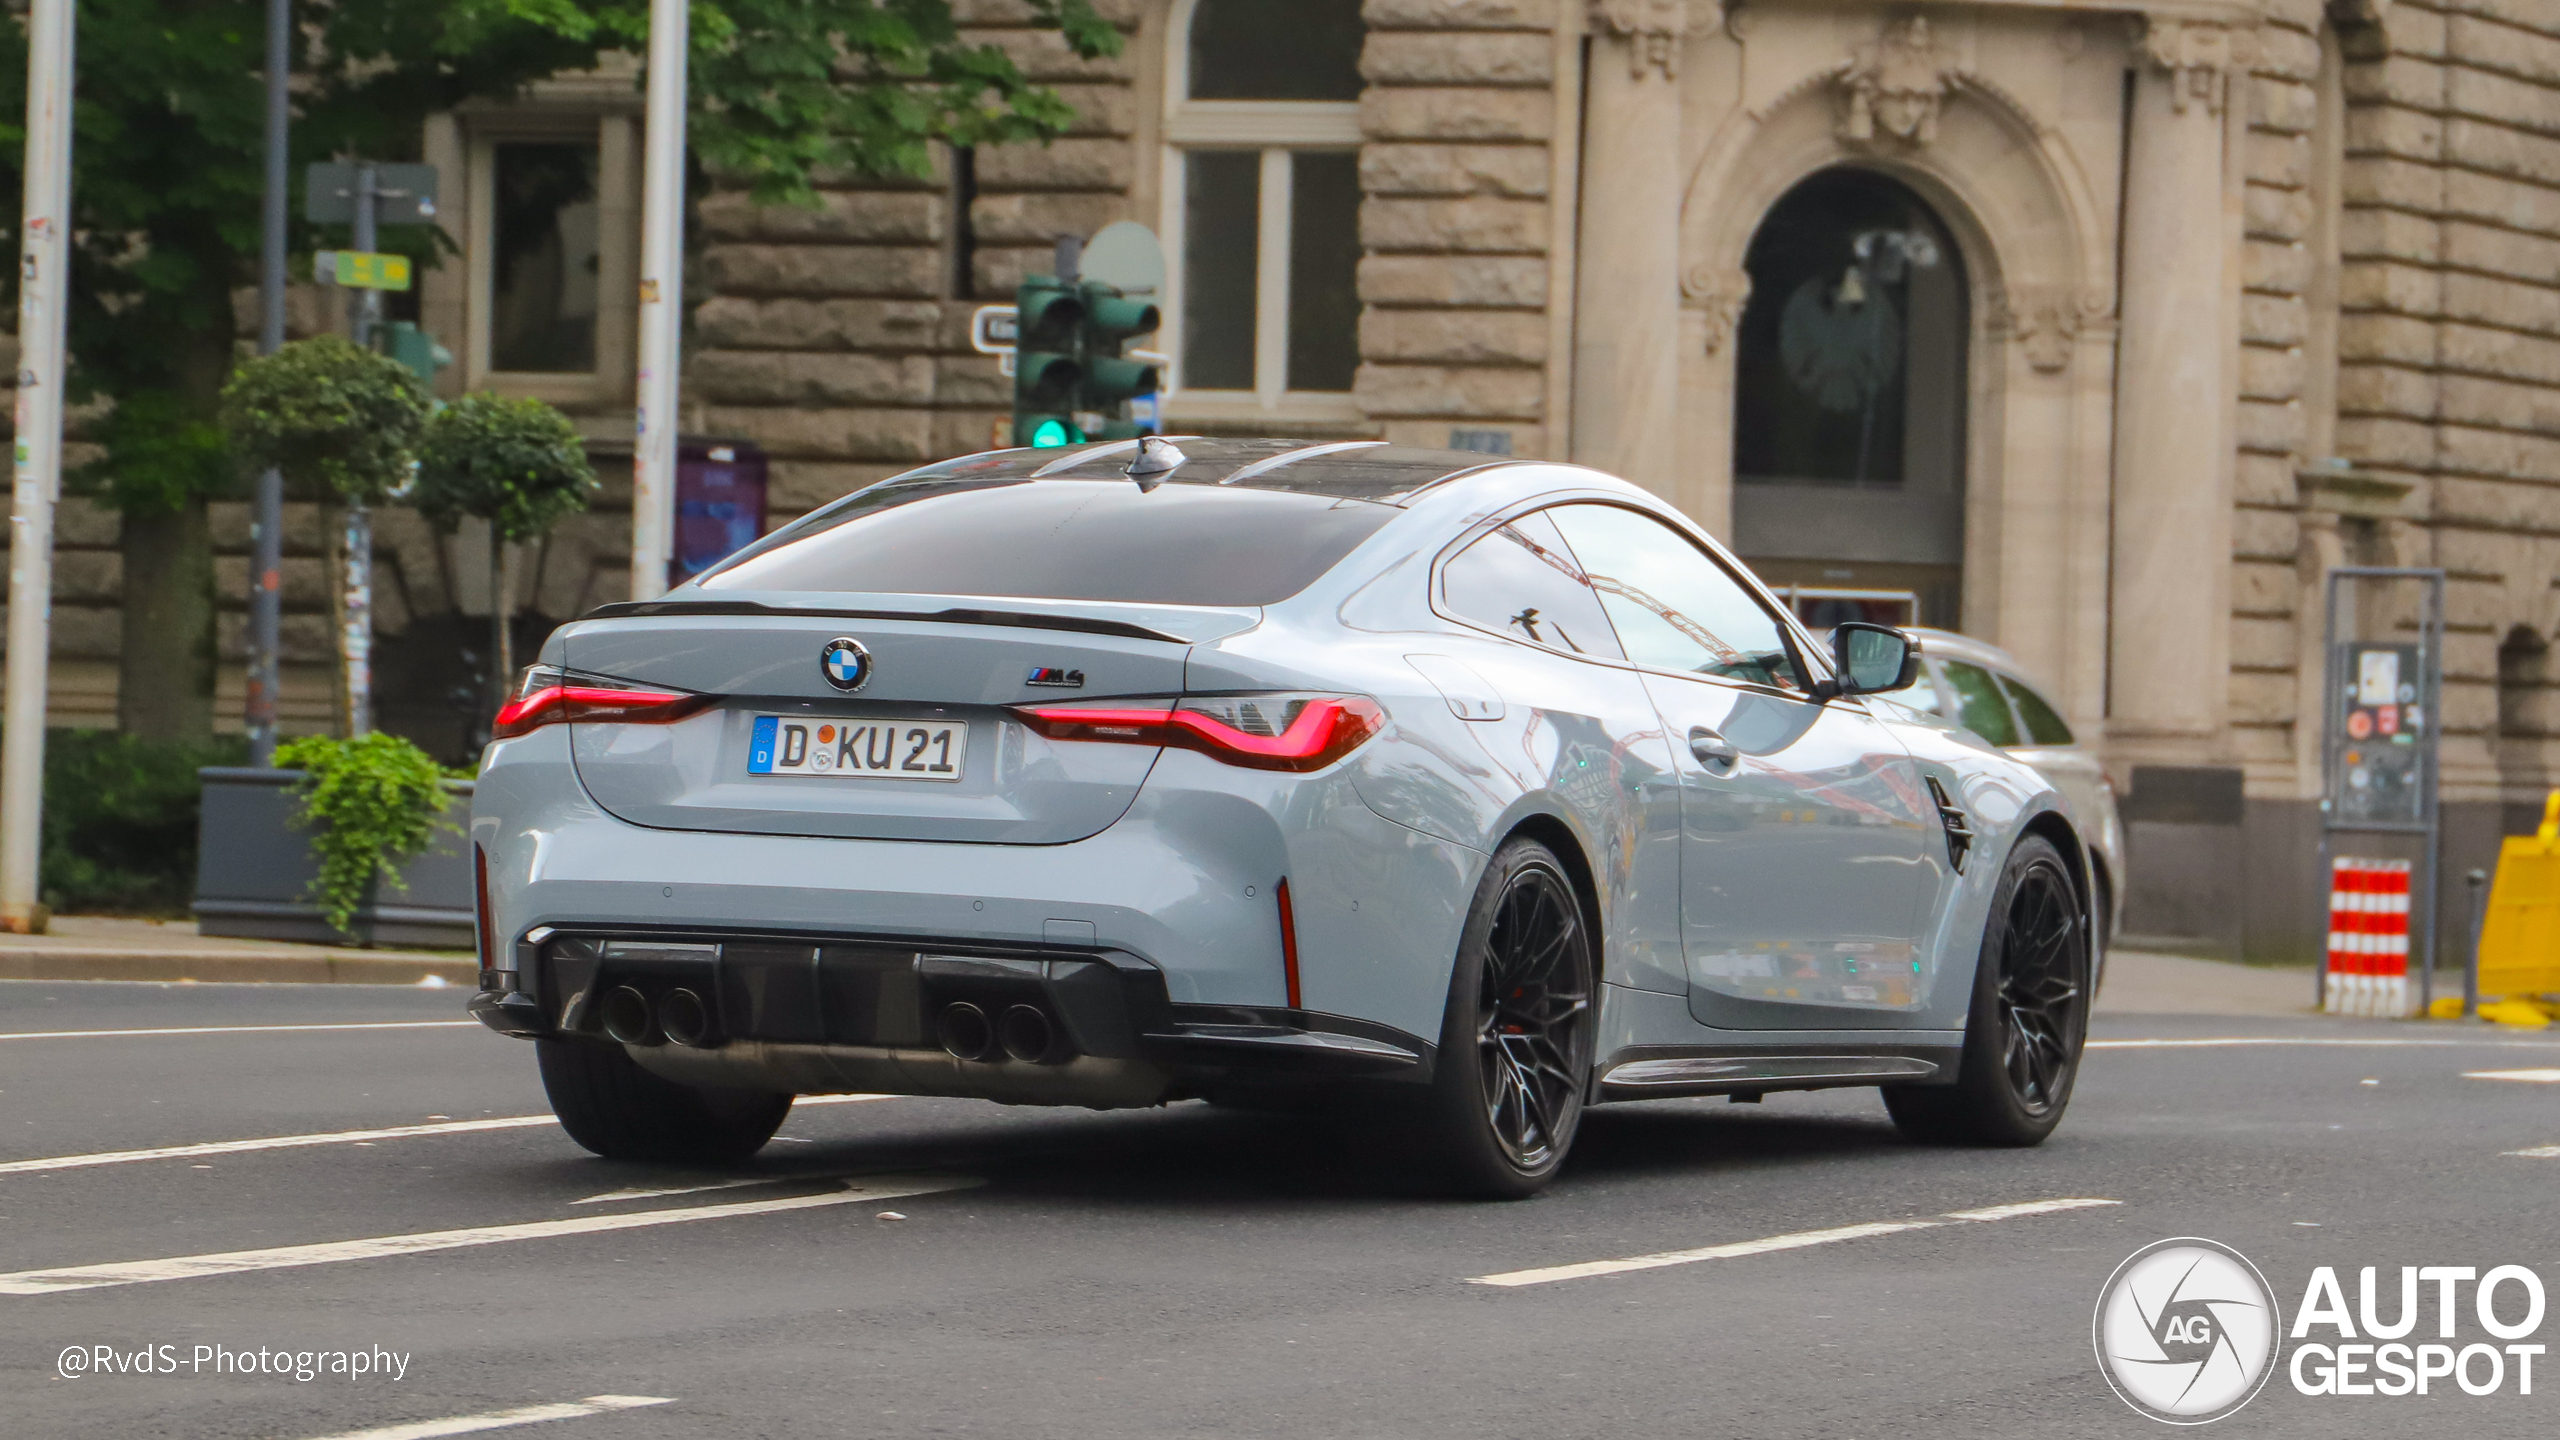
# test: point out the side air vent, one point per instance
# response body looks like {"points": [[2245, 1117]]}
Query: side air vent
{"points": [[1959, 830]]}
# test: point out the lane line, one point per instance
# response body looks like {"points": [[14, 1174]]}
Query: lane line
{"points": [[1799, 1240], [334, 1137], [232, 1262], [246, 1029], [2539, 1152], [2537, 1077], [612, 1197], [502, 1419], [2352, 1042]]}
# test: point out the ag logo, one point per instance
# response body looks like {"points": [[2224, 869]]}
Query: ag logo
{"points": [[2186, 1331]]}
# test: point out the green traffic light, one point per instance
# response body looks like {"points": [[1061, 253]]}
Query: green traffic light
{"points": [[1050, 435]]}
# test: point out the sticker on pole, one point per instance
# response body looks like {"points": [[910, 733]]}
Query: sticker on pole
{"points": [[361, 269]]}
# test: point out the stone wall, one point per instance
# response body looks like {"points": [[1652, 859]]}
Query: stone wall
{"points": [[1456, 221]]}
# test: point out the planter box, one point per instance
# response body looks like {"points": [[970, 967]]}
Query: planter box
{"points": [[254, 872]]}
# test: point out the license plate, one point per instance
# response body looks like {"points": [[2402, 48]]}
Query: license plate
{"points": [[864, 749]]}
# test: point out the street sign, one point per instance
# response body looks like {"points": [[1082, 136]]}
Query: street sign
{"points": [[991, 329], [1125, 255], [361, 270], [403, 194]]}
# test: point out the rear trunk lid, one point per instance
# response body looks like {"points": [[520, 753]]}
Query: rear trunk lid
{"points": [[788, 752]]}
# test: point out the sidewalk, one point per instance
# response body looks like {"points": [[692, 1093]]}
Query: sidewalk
{"points": [[2141, 983], [92, 948]]}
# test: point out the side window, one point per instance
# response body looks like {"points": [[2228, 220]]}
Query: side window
{"points": [[1674, 608], [1522, 581], [2044, 727], [1979, 707]]}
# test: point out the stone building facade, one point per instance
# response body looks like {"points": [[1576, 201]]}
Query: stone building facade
{"points": [[2102, 328]]}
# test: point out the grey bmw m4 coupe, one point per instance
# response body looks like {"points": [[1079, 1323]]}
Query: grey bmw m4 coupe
{"points": [[1470, 792]]}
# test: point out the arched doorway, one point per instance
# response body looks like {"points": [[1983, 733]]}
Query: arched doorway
{"points": [[1849, 403]]}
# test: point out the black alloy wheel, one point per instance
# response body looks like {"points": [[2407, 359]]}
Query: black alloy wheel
{"points": [[2029, 1016], [2040, 991], [1515, 1054]]}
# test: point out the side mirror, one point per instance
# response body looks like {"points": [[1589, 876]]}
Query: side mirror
{"points": [[1871, 659]]}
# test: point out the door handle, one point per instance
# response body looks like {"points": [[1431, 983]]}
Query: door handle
{"points": [[1713, 750]]}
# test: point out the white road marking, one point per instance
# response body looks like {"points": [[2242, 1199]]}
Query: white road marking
{"points": [[2357, 1042], [502, 1419], [2540, 1077], [193, 1267], [2539, 1152], [247, 1029], [334, 1137], [1766, 1245], [613, 1196]]}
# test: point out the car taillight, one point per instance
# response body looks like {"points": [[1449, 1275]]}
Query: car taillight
{"points": [[1259, 732], [549, 695]]}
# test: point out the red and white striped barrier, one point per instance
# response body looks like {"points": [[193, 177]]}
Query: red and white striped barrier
{"points": [[2368, 938]]}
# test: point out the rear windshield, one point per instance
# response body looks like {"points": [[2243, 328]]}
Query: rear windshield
{"points": [[1061, 540]]}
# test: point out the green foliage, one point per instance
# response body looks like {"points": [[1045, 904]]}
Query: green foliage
{"points": [[329, 414], [372, 803], [160, 450], [517, 464], [120, 821]]}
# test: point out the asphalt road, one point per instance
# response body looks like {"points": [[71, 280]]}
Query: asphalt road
{"points": [[1186, 1272]]}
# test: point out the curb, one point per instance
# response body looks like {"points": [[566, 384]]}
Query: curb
{"points": [[274, 967]]}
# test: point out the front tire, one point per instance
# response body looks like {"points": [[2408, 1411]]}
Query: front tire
{"points": [[1515, 1042], [2029, 1017], [620, 1111]]}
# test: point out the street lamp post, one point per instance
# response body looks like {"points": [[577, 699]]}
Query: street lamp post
{"points": [[653, 457], [266, 525], [36, 477]]}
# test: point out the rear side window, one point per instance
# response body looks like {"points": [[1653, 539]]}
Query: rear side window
{"points": [[1521, 581], [1063, 540], [1979, 706], [2044, 727]]}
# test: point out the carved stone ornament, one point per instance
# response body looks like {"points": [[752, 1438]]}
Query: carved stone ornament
{"points": [[1651, 28], [1896, 84], [1718, 296], [2199, 58], [2046, 320]]}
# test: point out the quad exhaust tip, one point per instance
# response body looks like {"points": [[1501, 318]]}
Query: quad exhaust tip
{"points": [[1028, 1036], [685, 1018], [624, 1014], [965, 1031]]}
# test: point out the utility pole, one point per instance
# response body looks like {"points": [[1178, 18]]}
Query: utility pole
{"points": [[653, 449], [355, 608], [36, 478], [266, 523]]}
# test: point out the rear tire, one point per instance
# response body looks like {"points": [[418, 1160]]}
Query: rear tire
{"points": [[2029, 1017], [1515, 1042], [610, 1105]]}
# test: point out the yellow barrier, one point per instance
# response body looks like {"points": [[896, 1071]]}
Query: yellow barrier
{"points": [[2520, 938]]}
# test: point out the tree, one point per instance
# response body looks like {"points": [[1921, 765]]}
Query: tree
{"points": [[168, 166], [517, 464], [342, 421]]}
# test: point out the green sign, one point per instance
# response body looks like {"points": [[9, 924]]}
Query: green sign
{"points": [[362, 269]]}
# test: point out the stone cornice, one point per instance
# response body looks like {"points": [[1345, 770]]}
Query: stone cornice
{"points": [[2219, 12]]}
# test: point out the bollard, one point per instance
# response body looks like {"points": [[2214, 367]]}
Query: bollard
{"points": [[2478, 880]]}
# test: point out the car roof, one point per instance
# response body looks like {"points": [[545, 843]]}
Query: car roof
{"points": [[1340, 469]]}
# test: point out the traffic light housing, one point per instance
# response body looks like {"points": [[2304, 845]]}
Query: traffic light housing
{"points": [[1070, 381]]}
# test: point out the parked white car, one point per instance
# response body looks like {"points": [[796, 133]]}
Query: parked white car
{"points": [[1982, 688]]}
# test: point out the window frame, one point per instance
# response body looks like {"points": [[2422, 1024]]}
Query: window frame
{"points": [[613, 133], [1808, 659], [1276, 130]]}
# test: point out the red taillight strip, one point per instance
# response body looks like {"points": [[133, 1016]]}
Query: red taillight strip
{"points": [[553, 704], [1325, 731], [1289, 944], [480, 894]]}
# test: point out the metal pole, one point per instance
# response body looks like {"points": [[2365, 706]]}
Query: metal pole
{"points": [[2328, 784], [36, 483], [266, 524], [653, 450], [2478, 880], [2430, 688], [355, 639]]}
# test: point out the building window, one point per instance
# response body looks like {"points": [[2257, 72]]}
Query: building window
{"points": [[542, 297], [1263, 203]]}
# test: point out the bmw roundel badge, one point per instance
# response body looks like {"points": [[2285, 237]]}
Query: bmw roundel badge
{"points": [[845, 663]]}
